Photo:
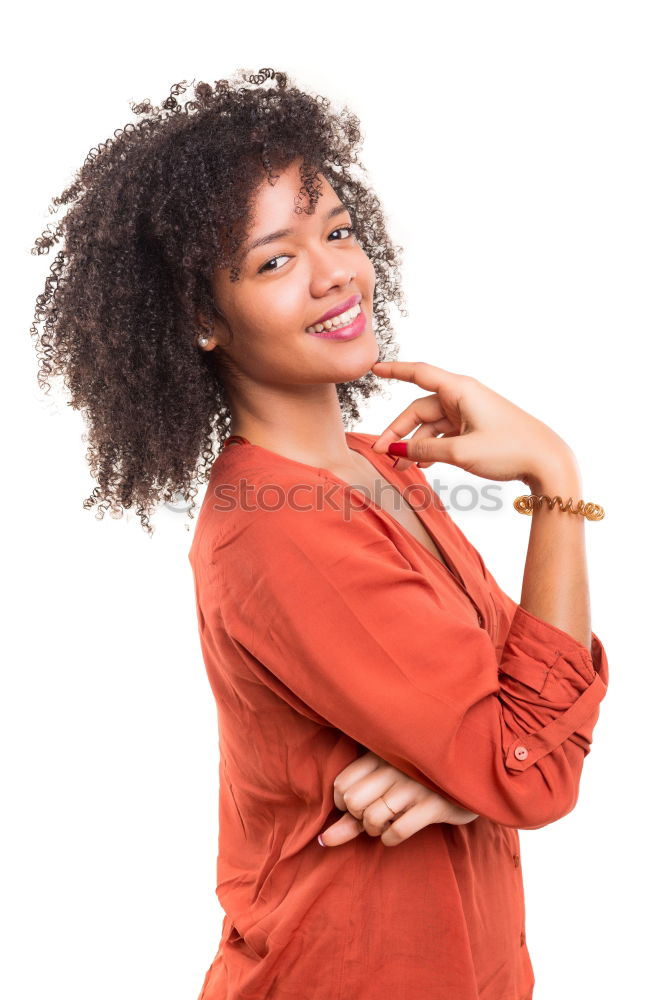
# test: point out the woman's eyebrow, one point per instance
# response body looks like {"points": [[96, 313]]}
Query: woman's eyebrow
{"points": [[280, 233]]}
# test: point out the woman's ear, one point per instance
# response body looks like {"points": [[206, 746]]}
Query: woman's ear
{"points": [[205, 333]]}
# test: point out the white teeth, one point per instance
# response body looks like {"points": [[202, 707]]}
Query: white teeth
{"points": [[341, 320], [338, 320]]}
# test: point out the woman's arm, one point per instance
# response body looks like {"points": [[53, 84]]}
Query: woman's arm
{"points": [[555, 582]]}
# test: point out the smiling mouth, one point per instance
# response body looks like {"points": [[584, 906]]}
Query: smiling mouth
{"points": [[336, 322]]}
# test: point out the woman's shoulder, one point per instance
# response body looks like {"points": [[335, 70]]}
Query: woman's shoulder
{"points": [[257, 507]]}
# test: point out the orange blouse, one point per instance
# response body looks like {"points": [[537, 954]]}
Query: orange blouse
{"points": [[328, 629]]}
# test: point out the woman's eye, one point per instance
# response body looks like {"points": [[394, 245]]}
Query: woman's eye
{"points": [[350, 229], [264, 267]]}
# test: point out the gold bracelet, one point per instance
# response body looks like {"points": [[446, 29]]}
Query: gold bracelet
{"points": [[526, 504]]}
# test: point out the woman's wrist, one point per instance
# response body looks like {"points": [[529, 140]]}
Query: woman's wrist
{"points": [[558, 476]]}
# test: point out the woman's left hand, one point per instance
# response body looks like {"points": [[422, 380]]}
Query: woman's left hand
{"points": [[358, 790]]}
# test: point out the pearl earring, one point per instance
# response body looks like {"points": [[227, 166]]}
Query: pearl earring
{"points": [[203, 341]]}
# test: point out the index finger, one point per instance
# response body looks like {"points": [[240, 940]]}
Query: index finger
{"points": [[419, 372]]}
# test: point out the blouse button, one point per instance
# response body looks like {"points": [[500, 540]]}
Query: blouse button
{"points": [[522, 938], [520, 753], [516, 860], [480, 617]]}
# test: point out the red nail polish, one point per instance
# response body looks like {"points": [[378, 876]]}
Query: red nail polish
{"points": [[398, 448]]}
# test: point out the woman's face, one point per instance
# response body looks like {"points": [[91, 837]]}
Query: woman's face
{"points": [[287, 284]]}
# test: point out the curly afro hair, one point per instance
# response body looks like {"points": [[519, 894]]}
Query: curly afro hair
{"points": [[152, 212]]}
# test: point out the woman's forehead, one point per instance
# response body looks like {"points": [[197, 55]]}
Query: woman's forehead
{"points": [[284, 201]]}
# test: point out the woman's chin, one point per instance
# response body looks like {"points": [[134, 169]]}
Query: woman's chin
{"points": [[343, 361], [355, 368], [355, 358]]}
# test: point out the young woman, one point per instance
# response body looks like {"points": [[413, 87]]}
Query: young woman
{"points": [[224, 281]]}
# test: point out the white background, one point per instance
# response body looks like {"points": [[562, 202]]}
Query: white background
{"points": [[518, 150]]}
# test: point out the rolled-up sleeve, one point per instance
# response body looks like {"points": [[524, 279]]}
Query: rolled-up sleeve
{"points": [[337, 622]]}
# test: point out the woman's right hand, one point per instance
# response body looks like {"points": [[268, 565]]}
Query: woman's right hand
{"points": [[384, 802], [486, 434]]}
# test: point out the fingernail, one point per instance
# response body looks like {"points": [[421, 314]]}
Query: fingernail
{"points": [[321, 841], [398, 448]]}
